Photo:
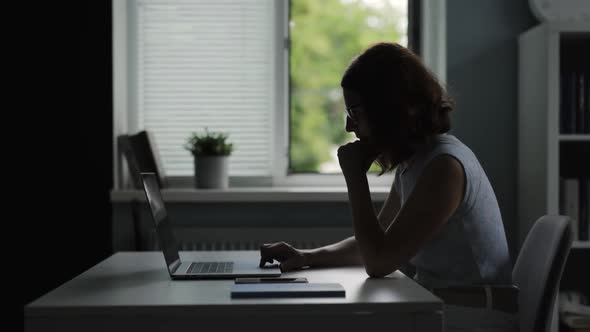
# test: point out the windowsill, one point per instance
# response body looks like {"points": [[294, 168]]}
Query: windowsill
{"points": [[249, 194]]}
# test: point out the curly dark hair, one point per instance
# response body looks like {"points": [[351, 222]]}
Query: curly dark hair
{"points": [[404, 102]]}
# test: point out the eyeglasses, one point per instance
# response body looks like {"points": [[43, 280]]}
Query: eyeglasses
{"points": [[350, 112]]}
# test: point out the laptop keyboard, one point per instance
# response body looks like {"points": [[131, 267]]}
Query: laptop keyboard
{"points": [[210, 267]]}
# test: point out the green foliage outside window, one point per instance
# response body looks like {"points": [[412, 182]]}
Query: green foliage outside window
{"points": [[325, 36]]}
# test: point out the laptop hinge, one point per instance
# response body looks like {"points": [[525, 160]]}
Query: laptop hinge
{"points": [[174, 266]]}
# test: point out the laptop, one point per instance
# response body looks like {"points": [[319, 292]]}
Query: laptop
{"points": [[193, 270]]}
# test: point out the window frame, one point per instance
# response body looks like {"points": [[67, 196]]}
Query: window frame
{"points": [[432, 43]]}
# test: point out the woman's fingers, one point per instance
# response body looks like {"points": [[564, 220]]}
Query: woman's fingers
{"points": [[270, 252], [288, 257], [265, 255], [264, 260]]}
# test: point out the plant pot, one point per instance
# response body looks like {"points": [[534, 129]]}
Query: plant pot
{"points": [[211, 172]]}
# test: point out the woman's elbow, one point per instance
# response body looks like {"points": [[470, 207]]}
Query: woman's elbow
{"points": [[376, 274], [377, 266], [377, 271]]}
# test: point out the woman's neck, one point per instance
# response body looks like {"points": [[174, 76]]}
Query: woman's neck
{"points": [[417, 148]]}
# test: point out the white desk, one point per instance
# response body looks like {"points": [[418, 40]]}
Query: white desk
{"points": [[131, 291]]}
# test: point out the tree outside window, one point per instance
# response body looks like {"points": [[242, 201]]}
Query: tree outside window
{"points": [[325, 36]]}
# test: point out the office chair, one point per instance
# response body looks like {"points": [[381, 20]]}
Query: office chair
{"points": [[538, 269]]}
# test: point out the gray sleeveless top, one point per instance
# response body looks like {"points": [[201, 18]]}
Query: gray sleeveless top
{"points": [[471, 248]]}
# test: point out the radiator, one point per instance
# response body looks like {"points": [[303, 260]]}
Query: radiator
{"points": [[208, 239]]}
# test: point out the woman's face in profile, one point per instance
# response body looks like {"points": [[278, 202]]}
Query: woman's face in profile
{"points": [[356, 119]]}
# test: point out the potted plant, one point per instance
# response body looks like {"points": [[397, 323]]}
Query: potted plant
{"points": [[211, 151]]}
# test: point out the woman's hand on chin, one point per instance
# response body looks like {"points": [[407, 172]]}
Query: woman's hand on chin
{"points": [[355, 158]]}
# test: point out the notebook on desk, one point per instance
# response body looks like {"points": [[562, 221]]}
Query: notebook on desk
{"points": [[270, 290]]}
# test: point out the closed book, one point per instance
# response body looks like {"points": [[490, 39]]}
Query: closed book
{"points": [[565, 100], [584, 206], [142, 155], [587, 104], [573, 103], [124, 146], [581, 104], [569, 205], [563, 103], [280, 290], [588, 205]]}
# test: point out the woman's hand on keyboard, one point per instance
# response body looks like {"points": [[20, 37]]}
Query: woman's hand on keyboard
{"points": [[289, 257]]}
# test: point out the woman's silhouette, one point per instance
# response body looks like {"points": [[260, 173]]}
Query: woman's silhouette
{"points": [[441, 215]]}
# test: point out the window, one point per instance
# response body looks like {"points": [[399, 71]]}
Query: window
{"points": [[325, 36], [206, 64], [266, 72]]}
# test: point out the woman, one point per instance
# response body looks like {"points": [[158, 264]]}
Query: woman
{"points": [[441, 214]]}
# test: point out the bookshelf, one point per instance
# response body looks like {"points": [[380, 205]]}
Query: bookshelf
{"points": [[552, 145], [549, 152]]}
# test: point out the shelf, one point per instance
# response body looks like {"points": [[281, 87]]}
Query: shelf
{"points": [[552, 57], [572, 137], [581, 244], [255, 194]]}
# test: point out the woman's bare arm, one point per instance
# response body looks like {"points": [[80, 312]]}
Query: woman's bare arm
{"points": [[435, 198], [346, 252], [342, 253]]}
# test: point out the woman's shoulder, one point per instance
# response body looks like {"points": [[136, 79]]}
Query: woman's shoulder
{"points": [[450, 143], [437, 146], [446, 138]]}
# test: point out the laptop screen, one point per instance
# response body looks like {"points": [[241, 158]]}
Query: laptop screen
{"points": [[163, 227]]}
